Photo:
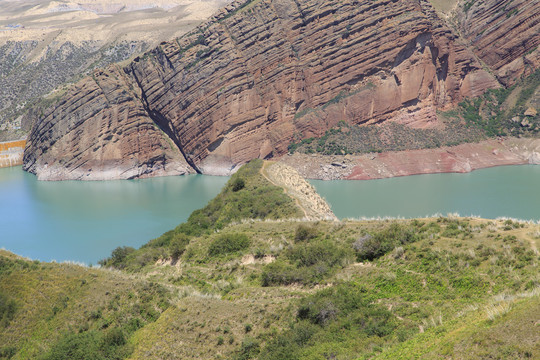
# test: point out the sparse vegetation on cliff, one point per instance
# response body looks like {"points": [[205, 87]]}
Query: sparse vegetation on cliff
{"points": [[504, 112], [499, 112], [353, 139]]}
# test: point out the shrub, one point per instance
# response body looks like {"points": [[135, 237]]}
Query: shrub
{"points": [[370, 248], [7, 352], [304, 233], [308, 263], [118, 257], [114, 337], [83, 346], [359, 244], [238, 184], [331, 318], [320, 252], [318, 312], [280, 273], [178, 245], [250, 349], [228, 243]]}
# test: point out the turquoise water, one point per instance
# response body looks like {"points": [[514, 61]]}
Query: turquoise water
{"points": [[85, 221], [506, 191]]}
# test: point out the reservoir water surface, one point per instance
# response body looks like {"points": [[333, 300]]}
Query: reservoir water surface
{"points": [[85, 221], [504, 191]]}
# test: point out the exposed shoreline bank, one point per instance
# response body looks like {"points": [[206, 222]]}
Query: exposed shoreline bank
{"points": [[11, 153], [462, 158]]}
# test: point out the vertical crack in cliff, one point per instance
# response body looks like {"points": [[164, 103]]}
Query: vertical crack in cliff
{"points": [[162, 123]]}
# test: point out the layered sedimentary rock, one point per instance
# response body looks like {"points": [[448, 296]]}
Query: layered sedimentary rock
{"points": [[505, 34], [47, 43], [119, 140], [256, 76]]}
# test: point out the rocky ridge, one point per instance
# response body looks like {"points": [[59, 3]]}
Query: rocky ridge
{"points": [[261, 73], [46, 44]]}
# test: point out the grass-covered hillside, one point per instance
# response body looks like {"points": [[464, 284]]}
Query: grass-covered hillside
{"points": [[279, 288]]}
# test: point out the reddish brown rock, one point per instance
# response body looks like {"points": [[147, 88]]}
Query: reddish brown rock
{"points": [[105, 133], [505, 34], [457, 159], [247, 82]]}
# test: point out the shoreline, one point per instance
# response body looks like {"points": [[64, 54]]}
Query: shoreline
{"points": [[11, 153], [462, 158]]}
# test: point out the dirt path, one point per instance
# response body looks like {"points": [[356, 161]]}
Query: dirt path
{"points": [[305, 196], [263, 173]]}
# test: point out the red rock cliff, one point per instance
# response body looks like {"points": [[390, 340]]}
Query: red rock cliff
{"points": [[505, 34], [245, 83]]}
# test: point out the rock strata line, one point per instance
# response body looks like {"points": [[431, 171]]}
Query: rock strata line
{"points": [[256, 76]]}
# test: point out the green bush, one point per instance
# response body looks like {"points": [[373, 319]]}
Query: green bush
{"points": [[332, 318], [288, 344], [228, 243], [178, 245], [90, 345], [304, 263], [320, 252], [375, 246], [250, 349], [280, 273], [7, 352], [238, 184], [305, 232], [118, 257]]}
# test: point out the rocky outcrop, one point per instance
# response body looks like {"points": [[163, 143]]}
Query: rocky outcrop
{"points": [[256, 76], [45, 44], [505, 34], [456, 159], [120, 141]]}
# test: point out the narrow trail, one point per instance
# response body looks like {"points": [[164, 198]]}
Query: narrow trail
{"points": [[295, 186], [263, 173]]}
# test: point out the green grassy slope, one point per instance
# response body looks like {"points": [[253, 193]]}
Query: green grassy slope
{"points": [[59, 306]]}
